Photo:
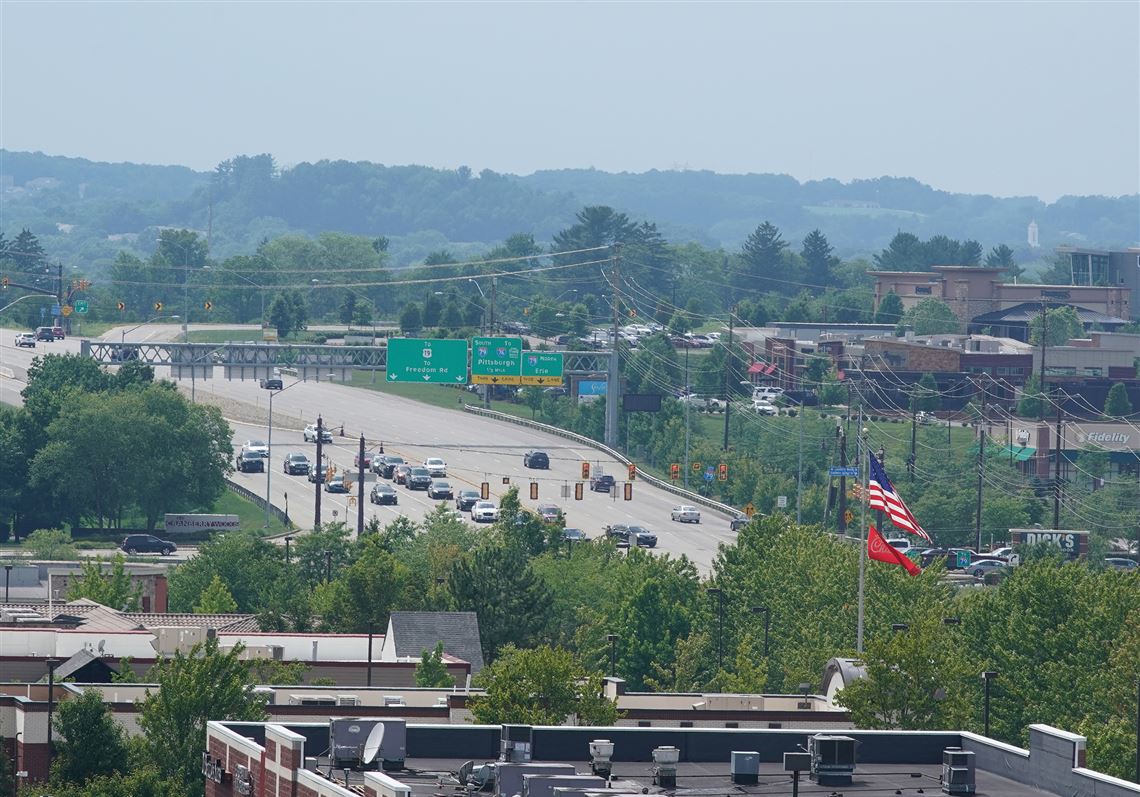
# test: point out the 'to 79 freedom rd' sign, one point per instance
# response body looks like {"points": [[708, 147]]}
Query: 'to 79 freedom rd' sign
{"points": [[427, 362]]}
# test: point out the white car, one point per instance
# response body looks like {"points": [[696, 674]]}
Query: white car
{"points": [[765, 408], [686, 514], [435, 466], [256, 447], [766, 393], [484, 512], [26, 340], [311, 434]]}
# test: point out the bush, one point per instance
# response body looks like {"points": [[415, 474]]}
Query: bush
{"points": [[50, 544]]}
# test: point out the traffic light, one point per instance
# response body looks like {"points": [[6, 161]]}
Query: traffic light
{"points": [[578, 491], [632, 470], [534, 491], [674, 471], [4, 282], [722, 472], [628, 491], [122, 306], [485, 491], [158, 307], [585, 470]]}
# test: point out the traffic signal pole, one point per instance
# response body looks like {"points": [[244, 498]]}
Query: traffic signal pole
{"points": [[321, 475]]}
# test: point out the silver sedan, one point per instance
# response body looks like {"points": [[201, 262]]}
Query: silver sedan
{"points": [[686, 514]]}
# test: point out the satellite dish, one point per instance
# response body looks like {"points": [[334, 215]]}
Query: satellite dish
{"points": [[372, 746]]}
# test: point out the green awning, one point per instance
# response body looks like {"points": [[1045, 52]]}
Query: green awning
{"points": [[1016, 453]]}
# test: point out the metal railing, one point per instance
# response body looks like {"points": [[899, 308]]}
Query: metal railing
{"points": [[250, 495]]}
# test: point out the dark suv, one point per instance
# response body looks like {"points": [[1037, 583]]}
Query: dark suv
{"points": [[536, 459], [602, 484], [297, 464], [418, 479], [250, 462], [272, 383], [147, 543]]}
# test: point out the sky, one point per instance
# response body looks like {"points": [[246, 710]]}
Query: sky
{"points": [[1009, 99]]}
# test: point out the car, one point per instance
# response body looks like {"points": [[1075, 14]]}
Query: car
{"points": [[550, 513], [367, 461], [418, 479], [256, 446], [383, 493], [435, 466], [643, 537], [737, 523], [272, 383], [602, 483], [317, 474], [45, 333], [626, 535], [310, 434], [980, 568], [1120, 563], [574, 535], [766, 393], [685, 514], [438, 488], [400, 473], [537, 460], [385, 464], [465, 499], [556, 391], [762, 407], [900, 544], [26, 340], [336, 484], [484, 512], [297, 464], [925, 418], [1002, 553], [249, 462], [147, 543]]}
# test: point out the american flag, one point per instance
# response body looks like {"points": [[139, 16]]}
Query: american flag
{"points": [[881, 495]]}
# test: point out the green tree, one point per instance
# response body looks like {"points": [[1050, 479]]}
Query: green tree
{"points": [[216, 599], [431, 672], [1031, 404], [144, 781], [192, 689], [365, 593], [890, 309], [1061, 324], [818, 259], [1117, 403], [113, 589], [411, 318], [932, 317], [925, 394], [541, 686], [904, 253], [1001, 256], [89, 742], [248, 565], [763, 257]]}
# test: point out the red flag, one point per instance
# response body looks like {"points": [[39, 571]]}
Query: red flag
{"points": [[878, 548]]}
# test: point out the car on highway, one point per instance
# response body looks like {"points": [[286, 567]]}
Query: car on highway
{"points": [[147, 543], [574, 535], [685, 514], [57, 331], [317, 474], [272, 383], [550, 513], [1120, 563], [367, 461], [249, 462], [45, 334], [435, 466], [418, 479], [383, 493], [257, 446], [310, 434], [384, 464], [538, 460], [465, 499], [484, 512], [981, 568], [737, 523], [602, 483], [400, 473], [26, 340], [627, 534], [440, 489], [336, 484], [297, 464]]}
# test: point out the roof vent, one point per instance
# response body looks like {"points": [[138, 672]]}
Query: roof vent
{"points": [[665, 766], [601, 751], [744, 767], [957, 771], [832, 759]]}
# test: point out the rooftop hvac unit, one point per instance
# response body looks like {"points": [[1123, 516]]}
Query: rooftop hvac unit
{"points": [[832, 759], [549, 785], [394, 700], [347, 700], [744, 766], [360, 742], [313, 700], [957, 771], [509, 777], [601, 753], [266, 693], [515, 743], [665, 766]]}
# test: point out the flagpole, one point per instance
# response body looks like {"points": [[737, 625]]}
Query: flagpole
{"points": [[861, 447]]}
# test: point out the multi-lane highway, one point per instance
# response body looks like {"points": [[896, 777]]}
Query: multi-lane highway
{"points": [[476, 450]]}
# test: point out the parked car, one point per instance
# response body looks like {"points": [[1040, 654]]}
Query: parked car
{"points": [[272, 383], [367, 461], [762, 407], [550, 513], [311, 434], [249, 462], [259, 447], [602, 483], [537, 460], [435, 466], [400, 473], [336, 484], [383, 493], [147, 543], [484, 512], [418, 479], [438, 488], [297, 464], [574, 535], [766, 393], [45, 333], [26, 340], [465, 499], [685, 514], [1120, 563], [385, 464], [980, 568]]}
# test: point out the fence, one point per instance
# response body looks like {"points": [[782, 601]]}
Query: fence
{"points": [[257, 499], [662, 484]]}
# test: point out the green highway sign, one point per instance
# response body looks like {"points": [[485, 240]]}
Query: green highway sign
{"points": [[542, 368], [496, 361], [427, 361], [81, 306]]}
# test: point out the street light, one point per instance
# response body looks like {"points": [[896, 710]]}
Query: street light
{"points": [[766, 612], [987, 676], [269, 445], [123, 336], [719, 593], [288, 539], [612, 639]]}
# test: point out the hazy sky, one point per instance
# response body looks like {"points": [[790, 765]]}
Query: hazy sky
{"points": [[1015, 98]]}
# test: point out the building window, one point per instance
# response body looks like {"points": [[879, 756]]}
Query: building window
{"points": [[1016, 371], [921, 290], [732, 725], [1094, 372], [644, 724], [775, 725], [686, 724], [1003, 371]]}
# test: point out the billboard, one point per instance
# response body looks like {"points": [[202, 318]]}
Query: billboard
{"points": [[592, 387], [641, 402], [183, 524]]}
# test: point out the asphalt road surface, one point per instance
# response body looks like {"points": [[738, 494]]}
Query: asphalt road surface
{"points": [[476, 450]]}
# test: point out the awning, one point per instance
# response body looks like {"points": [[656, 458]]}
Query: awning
{"points": [[1016, 453], [771, 369], [757, 368]]}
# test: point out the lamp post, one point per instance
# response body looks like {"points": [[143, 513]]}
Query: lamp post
{"points": [[612, 639], [766, 612], [51, 665], [123, 336], [987, 676], [269, 445], [719, 593], [7, 576]]}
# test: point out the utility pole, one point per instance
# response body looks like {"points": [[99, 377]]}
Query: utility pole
{"points": [[727, 369], [800, 470], [612, 377], [913, 435], [1057, 473], [862, 454], [360, 489], [322, 474], [842, 435], [1044, 333], [981, 473], [492, 305], [685, 467]]}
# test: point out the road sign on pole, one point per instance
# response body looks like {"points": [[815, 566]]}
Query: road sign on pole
{"points": [[843, 471], [67, 310], [749, 509], [542, 368], [782, 501], [710, 473], [427, 361], [81, 306], [496, 361]]}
